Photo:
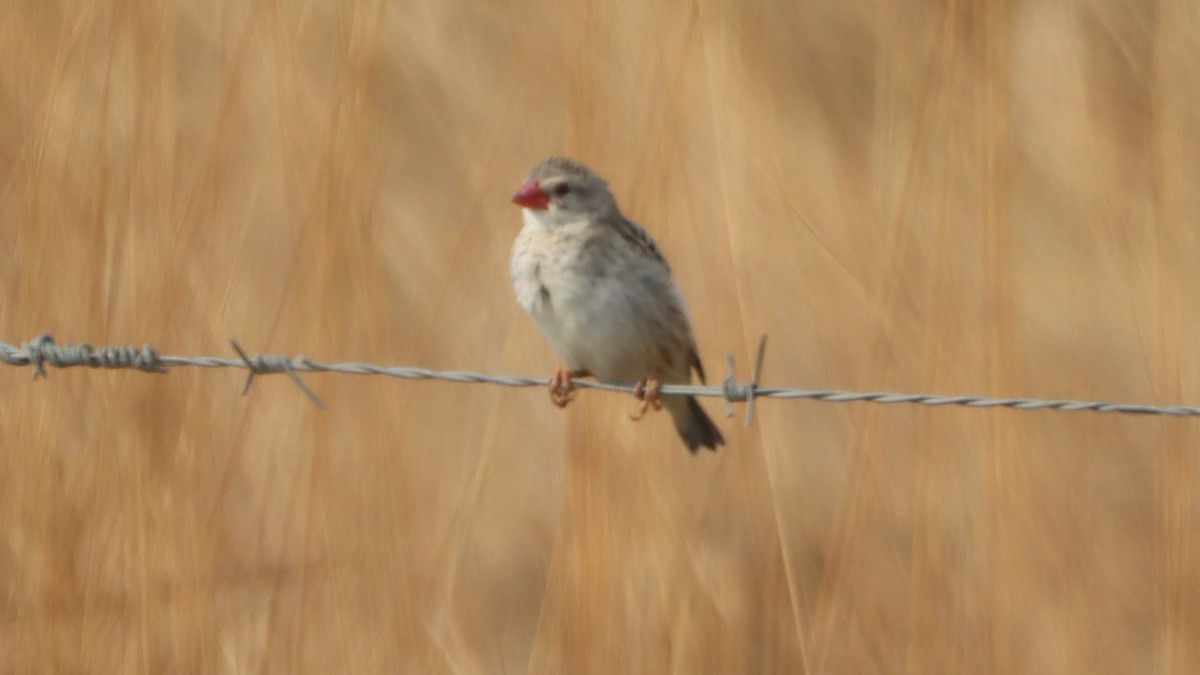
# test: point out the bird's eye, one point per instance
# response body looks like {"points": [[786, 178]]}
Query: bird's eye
{"points": [[562, 190]]}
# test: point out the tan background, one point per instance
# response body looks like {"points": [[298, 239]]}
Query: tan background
{"points": [[961, 197]]}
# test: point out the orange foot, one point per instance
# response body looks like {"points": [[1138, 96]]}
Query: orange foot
{"points": [[561, 387], [646, 391]]}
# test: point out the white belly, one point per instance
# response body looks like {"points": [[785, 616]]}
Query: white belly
{"points": [[613, 320]]}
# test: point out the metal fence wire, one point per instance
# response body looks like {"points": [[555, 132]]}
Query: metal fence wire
{"points": [[42, 352]]}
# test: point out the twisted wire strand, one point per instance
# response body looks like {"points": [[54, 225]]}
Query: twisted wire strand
{"points": [[42, 352]]}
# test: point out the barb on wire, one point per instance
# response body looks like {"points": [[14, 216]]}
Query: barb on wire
{"points": [[42, 351], [732, 391], [264, 365]]}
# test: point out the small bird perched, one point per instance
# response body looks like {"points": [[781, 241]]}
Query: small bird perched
{"points": [[602, 295]]}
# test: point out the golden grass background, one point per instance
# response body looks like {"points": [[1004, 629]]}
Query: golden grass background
{"points": [[960, 197]]}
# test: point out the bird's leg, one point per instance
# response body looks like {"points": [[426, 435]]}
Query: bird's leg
{"points": [[646, 391], [561, 387]]}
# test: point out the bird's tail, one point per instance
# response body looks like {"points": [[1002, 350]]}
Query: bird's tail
{"points": [[693, 424]]}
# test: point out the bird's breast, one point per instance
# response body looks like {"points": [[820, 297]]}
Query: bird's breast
{"points": [[534, 268], [599, 306]]}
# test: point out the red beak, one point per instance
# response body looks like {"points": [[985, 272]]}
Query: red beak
{"points": [[531, 196]]}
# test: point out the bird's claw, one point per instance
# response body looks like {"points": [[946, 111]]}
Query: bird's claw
{"points": [[561, 388], [646, 391]]}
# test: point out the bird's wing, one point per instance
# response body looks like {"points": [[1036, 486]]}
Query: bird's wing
{"points": [[694, 363], [637, 236]]}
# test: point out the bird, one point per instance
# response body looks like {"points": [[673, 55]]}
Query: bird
{"points": [[601, 294]]}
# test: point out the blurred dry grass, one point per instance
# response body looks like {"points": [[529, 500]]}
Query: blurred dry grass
{"points": [[974, 197]]}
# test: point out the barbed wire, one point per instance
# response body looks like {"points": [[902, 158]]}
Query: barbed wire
{"points": [[42, 351]]}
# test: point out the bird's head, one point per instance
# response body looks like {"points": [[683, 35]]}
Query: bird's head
{"points": [[562, 190]]}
